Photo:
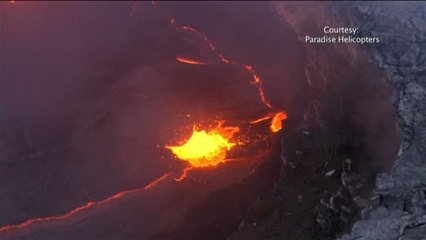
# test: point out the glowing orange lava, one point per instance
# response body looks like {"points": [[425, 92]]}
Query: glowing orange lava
{"points": [[206, 148], [277, 117], [84, 207], [191, 29], [203, 149], [257, 82], [261, 119], [276, 123], [184, 174], [189, 61]]}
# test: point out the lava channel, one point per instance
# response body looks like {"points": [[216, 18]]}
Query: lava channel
{"points": [[84, 207]]}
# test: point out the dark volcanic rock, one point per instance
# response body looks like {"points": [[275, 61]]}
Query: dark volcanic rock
{"points": [[347, 135], [399, 209]]}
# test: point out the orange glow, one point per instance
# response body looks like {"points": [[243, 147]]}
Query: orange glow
{"points": [[189, 61], [261, 119], [184, 174], [156, 181], [84, 207], [276, 123], [191, 29], [206, 149], [277, 118], [257, 82]]}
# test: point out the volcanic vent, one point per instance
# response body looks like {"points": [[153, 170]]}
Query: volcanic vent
{"points": [[186, 120]]}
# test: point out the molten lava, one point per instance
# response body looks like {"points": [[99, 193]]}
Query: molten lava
{"points": [[206, 148], [276, 123], [261, 119], [191, 29], [203, 149], [189, 61], [84, 207]]}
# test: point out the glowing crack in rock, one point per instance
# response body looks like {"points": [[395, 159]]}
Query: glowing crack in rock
{"points": [[84, 207], [189, 61], [277, 116], [267, 117], [191, 29]]}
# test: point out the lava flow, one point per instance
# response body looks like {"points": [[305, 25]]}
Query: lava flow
{"points": [[276, 123], [203, 149], [189, 61], [277, 116], [206, 148], [86, 206]]}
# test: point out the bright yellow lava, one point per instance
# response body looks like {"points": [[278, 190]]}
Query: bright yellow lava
{"points": [[276, 123], [206, 149]]}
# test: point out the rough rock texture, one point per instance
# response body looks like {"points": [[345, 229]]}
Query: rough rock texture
{"points": [[398, 210], [347, 135]]}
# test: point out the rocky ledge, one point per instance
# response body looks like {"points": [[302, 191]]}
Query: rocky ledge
{"points": [[398, 209]]}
